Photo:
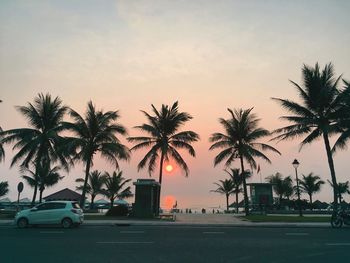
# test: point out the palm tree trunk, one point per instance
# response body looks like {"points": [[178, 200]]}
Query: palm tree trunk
{"points": [[227, 195], [87, 171], [331, 167], [112, 201], [34, 194], [310, 201], [41, 195], [246, 204], [237, 201], [160, 182], [92, 201]]}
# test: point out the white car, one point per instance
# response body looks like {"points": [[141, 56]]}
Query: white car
{"points": [[65, 213]]}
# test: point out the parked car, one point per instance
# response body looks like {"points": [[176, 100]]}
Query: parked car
{"points": [[65, 213]]}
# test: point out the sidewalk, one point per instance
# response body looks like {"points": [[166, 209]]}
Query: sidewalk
{"points": [[200, 220]]}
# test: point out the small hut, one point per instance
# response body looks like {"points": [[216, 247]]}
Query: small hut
{"points": [[65, 194]]}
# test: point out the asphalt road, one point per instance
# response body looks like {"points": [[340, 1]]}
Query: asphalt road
{"points": [[173, 244]]}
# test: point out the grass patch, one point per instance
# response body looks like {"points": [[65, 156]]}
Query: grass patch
{"points": [[287, 219]]}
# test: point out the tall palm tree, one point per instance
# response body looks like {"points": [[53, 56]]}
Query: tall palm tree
{"points": [[94, 186], [116, 187], [4, 188], [310, 184], [318, 113], [239, 141], [164, 139], [40, 142], [237, 180], [95, 133], [283, 187], [225, 187], [42, 177]]}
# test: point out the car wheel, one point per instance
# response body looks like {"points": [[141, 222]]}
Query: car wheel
{"points": [[67, 223], [22, 223]]}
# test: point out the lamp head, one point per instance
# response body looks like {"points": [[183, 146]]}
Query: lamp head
{"points": [[295, 163]]}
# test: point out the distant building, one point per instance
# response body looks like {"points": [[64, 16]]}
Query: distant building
{"points": [[65, 194]]}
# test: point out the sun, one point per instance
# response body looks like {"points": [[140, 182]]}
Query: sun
{"points": [[169, 168]]}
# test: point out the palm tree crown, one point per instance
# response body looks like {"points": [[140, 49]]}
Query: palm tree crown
{"points": [[40, 143], [318, 113], [94, 186], [95, 133], [164, 138], [311, 184], [283, 187], [239, 141], [116, 187], [225, 187]]}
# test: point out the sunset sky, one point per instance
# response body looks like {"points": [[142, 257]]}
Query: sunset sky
{"points": [[208, 55]]}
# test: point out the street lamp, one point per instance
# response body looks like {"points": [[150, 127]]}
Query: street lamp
{"points": [[296, 165]]}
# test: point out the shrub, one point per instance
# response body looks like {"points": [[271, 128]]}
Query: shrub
{"points": [[120, 210]]}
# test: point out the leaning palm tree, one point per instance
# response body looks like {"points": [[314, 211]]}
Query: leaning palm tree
{"points": [[318, 113], [95, 133], [164, 139], [116, 187], [310, 184], [225, 187], [283, 187], [40, 142], [4, 188], [94, 186], [239, 141]]}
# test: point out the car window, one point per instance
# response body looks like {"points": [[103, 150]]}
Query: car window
{"points": [[60, 205], [41, 207], [76, 205]]}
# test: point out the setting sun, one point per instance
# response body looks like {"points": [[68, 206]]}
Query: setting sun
{"points": [[169, 168]]}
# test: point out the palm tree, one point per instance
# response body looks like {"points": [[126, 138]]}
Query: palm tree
{"points": [[94, 185], [237, 180], [39, 143], [95, 133], [318, 113], [342, 188], [42, 178], [311, 184], [239, 141], [283, 187], [4, 188], [225, 187], [115, 187], [164, 139]]}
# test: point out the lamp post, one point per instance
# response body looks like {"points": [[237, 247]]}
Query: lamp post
{"points": [[296, 165]]}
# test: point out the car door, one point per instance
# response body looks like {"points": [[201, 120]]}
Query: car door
{"points": [[57, 213], [37, 214]]}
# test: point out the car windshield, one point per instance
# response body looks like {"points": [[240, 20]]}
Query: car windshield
{"points": [[76, 205]]}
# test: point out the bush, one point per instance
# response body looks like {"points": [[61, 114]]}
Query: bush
{"points": [[120, 210]]}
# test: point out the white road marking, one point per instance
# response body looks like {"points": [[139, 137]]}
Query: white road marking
{"points": [[132, 232], [337, 244], [125, 242], [297, 234], [213, 232], [51, 232]]}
